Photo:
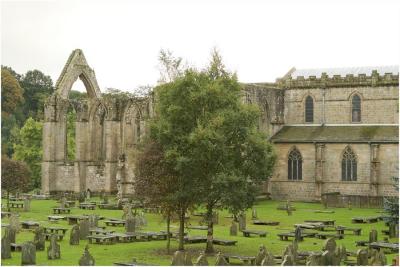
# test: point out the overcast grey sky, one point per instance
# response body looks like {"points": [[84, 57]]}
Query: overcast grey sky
{"points": [[260, 40]]}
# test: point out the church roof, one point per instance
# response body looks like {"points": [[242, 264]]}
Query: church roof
{"points": [[337, 134], [343, 71]]}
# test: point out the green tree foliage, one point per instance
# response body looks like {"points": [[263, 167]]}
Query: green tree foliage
{"points": [[29, 148], [11, 93], [71, 146], [391, 204], [15, 176]]}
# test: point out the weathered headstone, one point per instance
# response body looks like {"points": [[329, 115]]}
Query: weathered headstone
{"points": [[362, 257], [254, 214], [220, 261], [201, 260], [330, 245], [39, 239], [373, 236], [88, 194], [127, 211], [262, 252], [342, 252], [288, 208], [242, 221], [28, 254], [268, 260], [82, 197], [84, 229], [233, 230], [63, 202], [291, 252], [27, 204], [93, 221], [86, 259], [314, 260], [6, 244], [297, 234], [130, 224], [327, 258], [287, 261], [188, 259], [178, 259], [74, 235], [14, 222], [378, 258], [12, 234], [53, 251]]}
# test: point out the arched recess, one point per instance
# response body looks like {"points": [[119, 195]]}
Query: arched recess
{"points": [[133, 125], [309, 109], [355, 107], [96, 132], [265, 118], [349, 164], [295, 164]]}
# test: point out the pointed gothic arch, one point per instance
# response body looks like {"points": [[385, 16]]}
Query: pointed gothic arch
{"points": [[295, 165], [349, 165]]}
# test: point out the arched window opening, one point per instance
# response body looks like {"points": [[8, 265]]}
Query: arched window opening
{"points": [[70, 133], [295, 162], [349, 165], [356, 108], [309, 112]]}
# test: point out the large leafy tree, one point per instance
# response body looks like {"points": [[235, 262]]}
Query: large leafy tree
{"points": [[15, 176], [11, 93], [29, 148], [391, 204]]}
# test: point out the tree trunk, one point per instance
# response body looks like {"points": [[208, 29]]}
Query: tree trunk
{"points": [[168, 231], [8, 201], [210, 230], [181, 228]]}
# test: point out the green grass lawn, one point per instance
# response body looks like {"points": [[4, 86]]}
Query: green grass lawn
{"points": [[154, 252]]}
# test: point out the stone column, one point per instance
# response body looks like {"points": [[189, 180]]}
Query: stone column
{"points": [[375, 169], [82, 130], [319, 169]]}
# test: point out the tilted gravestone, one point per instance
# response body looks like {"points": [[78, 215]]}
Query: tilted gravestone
{"points": [[378, 258], [201, 260], [40, 239], [362, 257], [178, 259], [28, 254], [242, 221], [86, 259], [297, 234], [27, 204], [74, 235], [373, 236], [53, 251], [84, 229], [262, 252], [233, 230], [6, 244], [221, 261]]}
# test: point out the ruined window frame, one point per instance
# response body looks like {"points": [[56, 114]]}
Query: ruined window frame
{"points": [[295, 165], [349, 165]]}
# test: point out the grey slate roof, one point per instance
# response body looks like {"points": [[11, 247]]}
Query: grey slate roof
{"points": [[337, 134], [344, 71]]}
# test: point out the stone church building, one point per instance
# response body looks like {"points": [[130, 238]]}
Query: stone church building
{"points": [[334, 130]]}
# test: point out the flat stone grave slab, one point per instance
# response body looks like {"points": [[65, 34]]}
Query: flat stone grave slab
{"points": [[55, 217], [247, 260], [223, 242], [5, 214], [29, 224], [313, 226], [248, 233], [362, 243], [61, 210], [271, 223], [195, 239], [48, 236], [283, 207], [197, 227], [124, 238], [324, 222], [55, 230], [87, 206], [328, 235], [155, 235], [324, 211], [16, 205], [393, 247], [102, 239], [115, 222], [71, 203], [74, 219], [365, 219], [16, 247], [341, 229], [174, 234], [100, 231], [108, 206]]}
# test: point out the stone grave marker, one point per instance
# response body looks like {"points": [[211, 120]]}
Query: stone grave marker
{"points": [[287, 261], [254, 214], [63, 202], [84, 229], [373, 236], [27, 204], [297, 234], [86, 259], [262, 252], [40, 239], [53, 251], [6, 244], [314, 260], [330, 245], [14, 222], [82, 197], [233, 230], [130, 224], [268, 260], [93, 221], [220, 261], [362, 257], [178, 259], [12, 234], [378, 258], [74, 235], [201, 260], [242, 221], [28, 254], [188, 259]]}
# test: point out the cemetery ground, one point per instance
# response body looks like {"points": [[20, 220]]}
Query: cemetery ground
{"points": [[154, 252]]}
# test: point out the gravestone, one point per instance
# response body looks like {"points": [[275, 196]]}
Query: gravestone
{"points": [[378, 258], [233, 230], [297, 234], [6, 244], [392, 230], [14, 222], [105, 199], [88, 194], [288, 208], [362, 257], [342, 252], [330, 245], [220, 261], [12, 234], [28, 254], [93, 221], [27, 204], [188, 259], [349, 206], [86, 259], [84, 229], [74, 235], [53, 251], [291, 252], [373, 236], [178, 259], [40, 239], [127, 211], [82, 197], [327, 258], [254, 214], [268, 259], [287, 261], [63, 202], [130, 224], [262, 252], [242, 221], [201, 260], [314, 260]]}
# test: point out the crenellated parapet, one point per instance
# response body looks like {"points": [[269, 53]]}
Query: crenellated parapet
{"points": [[349, 80]]}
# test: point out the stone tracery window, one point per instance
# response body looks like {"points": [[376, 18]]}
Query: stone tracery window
{"points": [[356, 108], [295, 163], [349, 165], [309, 109]]}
